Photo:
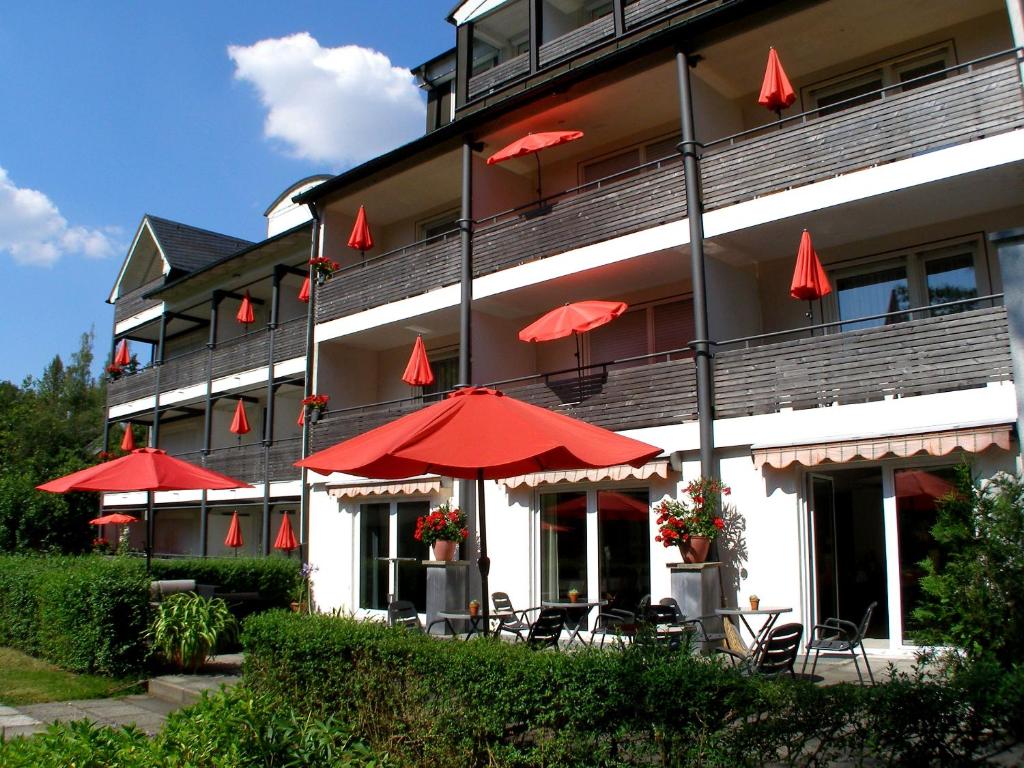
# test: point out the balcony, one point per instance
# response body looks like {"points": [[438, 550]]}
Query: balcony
{"points": [[920, 357], [132, 303], [255, 462], [981, 100]]}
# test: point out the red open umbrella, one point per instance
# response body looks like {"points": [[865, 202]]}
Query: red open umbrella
{"points": [[575, 318], [531, 144], [240, 423], [417, 371], [128, 440], [144, 469], [114, 519], [360, 240], [479, 433], [304, 291], [122, 357], [285, 536], [234, 537], [245, 314], [776, 91]]}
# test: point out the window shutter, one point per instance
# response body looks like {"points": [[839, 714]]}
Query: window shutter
{"points": [[673, 325], [625, 336]]}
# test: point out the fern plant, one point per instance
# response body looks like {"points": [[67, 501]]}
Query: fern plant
{"points": [[188, 627]]}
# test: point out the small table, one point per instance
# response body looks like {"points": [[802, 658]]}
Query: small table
{"points": [[575, 613], [474, 621], [771, 615]]}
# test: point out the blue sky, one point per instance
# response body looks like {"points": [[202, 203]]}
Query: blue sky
{"points": [[116, 109]]}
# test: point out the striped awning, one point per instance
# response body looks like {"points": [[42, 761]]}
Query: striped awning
{"points": [[416, 486], [969, 440], [657, 468]]}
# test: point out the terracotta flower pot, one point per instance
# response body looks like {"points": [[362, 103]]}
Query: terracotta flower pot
{"points": [[695, 550], [573, 597], [445, 550]]}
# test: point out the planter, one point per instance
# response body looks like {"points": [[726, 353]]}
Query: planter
{"points": [[298, 607], [314, 415], [573, 597], [445, 550], [695, 550]]}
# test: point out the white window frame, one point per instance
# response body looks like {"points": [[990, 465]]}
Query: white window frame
{"points": [[642, 146]]}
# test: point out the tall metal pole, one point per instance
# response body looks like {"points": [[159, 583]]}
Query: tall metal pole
{"points": [[695, 214], [307, 386], [466, 304]]}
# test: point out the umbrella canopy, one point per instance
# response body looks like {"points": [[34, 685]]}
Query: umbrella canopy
{"points": [[304, 291], [234, 537], [776, 91], [417, 371], [285, 536], [533, 142], [809, 279], [245, 314], [360, 239], [122, 357], [240, 422], [128, 440], [578, 317], [114, 519], [483, 434]]}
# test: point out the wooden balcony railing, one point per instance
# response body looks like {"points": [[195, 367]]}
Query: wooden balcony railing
{"points": [[241, 353], [131, 303], [132, 387], [242, 462]]}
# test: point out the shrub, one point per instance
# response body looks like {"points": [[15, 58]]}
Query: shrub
{"points": [[187, 628], [275, 578], [86, 614]]}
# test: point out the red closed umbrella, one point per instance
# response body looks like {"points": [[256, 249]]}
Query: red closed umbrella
{"points": [[531, 144], [285, 540], [122, 357], [144, 469], [304, 291], [417, 371], [128, 440], [240, 423], [115, 518], [809, 279], [776, 91], [245, 314], [234, 537], [479, 433], [360, 240]]}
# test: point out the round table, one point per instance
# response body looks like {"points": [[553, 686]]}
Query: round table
{"points": [[581, 608], [473, 620], [771, 615]]}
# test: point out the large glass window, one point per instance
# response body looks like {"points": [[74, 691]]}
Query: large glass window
{"points": [[386, 531], [563, 544], [501, 35], [624, 538], [872, 293], [412, 577], [950, 278], [374, 545]]}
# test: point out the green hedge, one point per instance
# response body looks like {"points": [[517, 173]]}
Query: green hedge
{"points": [[275, 578], [430, 702], [86, 614]]}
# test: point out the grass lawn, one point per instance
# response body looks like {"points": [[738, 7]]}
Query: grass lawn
{"points": [[25, 680]]}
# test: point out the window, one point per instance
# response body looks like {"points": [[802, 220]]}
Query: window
{"points": [[910, 280], [446, 223], [446, 376], [860, 86], [560, 17], [648, 330], [386, 531], [628, 159], [500, 36]]}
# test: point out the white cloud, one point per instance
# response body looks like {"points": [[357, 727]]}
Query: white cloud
{"points": [[336, 105], [33, 232]]}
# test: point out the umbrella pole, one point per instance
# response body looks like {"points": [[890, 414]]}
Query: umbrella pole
{"points": [[579, 369], [484, 562], [149, 530], [540, 195]]}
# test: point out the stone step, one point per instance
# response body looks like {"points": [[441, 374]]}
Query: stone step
{"points": [[182, 690]]}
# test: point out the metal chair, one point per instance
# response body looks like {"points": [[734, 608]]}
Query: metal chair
{"points": [[775, 656], [545, 631], [515, 624], [402, 613], [701, 637], [609, 621], [839, 636]]}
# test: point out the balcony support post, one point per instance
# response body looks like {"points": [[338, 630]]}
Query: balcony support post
{"points": [[695, 216], [154, 433], [203, 526], [619, 12], [465, 223], [307, 387], [265, 532], [536, 19], [275, 300], [211, 344]]}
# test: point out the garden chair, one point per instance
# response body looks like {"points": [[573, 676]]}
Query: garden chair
{"points": [[545, 631], [775, 656], [701, 636], [838, 636], [402, 613], [516, 622], [608, 622]]}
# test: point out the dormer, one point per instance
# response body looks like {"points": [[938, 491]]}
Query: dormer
{"points": [[284, 213]]}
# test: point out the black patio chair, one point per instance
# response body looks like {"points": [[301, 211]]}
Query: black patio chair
{"points": [[517, 622], [402, 613], [775, 656], [839, 636], [545, 631], [611, 622]]}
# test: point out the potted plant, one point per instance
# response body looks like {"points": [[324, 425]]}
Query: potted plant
{"points": [[188, 627], [444, 529], [303, 594], [316, 404], [323, 268], [755, 602], [693, 522], [114, 372], [574, 594], [474, 607]]}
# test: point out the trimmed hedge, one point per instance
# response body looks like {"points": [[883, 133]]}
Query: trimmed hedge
{"points": [[86, 614], [275, 578], [430, 702]]}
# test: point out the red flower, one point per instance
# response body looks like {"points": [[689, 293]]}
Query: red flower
{"points": [[719, 523]]}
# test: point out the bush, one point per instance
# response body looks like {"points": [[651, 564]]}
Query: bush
{"points": [[429, 702], [86, 614], [187, 628], [275, 578]]}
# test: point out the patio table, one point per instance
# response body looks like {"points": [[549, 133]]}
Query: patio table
{"points": [[473, 621], [771, 615], [575, 614]]}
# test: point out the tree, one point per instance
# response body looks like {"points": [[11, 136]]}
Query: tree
{"points": [[48, 427], [975, 598]]}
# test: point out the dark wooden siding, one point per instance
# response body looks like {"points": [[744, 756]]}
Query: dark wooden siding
{"points": [[645, 11], [489, 79], [919, 357], [581, 37], [245, 462], [132, 302], [290, 340], [240, 354], [184, 370], [282, 456], [132, 387]]}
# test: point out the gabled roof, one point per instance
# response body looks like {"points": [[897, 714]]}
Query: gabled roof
{"points": [[189, 248]]}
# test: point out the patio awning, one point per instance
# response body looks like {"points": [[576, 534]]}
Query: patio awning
{"points": [[657, 468], [416, 486], [969, 440]]}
